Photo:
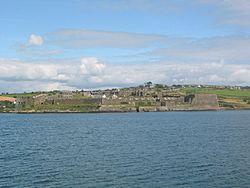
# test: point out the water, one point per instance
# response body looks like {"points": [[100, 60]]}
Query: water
{"points": [[175, 149]]}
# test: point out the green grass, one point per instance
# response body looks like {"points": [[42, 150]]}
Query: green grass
{"points": [[6, 106], [66, 107], [228, 98], [15, 95], [220, 92]]}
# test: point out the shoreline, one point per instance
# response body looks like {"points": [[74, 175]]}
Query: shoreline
{"points": [[102, 112]]}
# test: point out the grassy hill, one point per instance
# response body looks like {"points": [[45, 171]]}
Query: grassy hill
{"points": [[228, 98]]}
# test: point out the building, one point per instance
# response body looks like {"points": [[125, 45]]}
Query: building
{"points": [[67, 94], [40, 99], [86, 93]]}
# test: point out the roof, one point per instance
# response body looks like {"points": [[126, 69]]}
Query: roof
{"points": [[7, 99]]}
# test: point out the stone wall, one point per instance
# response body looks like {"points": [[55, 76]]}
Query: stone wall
{"points": [[205, 99], [140, 104], [129, 101], [24, 102], [117, 109], [75, 101], [202, 102]]}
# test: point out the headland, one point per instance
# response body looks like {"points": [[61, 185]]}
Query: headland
{"points": [[144, 98]]}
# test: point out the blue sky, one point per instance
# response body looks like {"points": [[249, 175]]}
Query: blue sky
{"points": [[79, 44]]}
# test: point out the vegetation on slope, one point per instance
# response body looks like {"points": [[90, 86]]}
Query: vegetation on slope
{"points": [[228, 98]]}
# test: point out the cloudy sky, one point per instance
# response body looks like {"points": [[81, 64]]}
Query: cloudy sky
{"points": [[80, 44]]}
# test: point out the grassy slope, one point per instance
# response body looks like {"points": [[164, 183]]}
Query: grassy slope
{"points": [[221, 92], [15, 95], [227, 97]]}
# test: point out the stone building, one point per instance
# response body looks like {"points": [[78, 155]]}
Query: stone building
{"points": [[86, 93], [24, 102], [40, 99], [67, 94]]}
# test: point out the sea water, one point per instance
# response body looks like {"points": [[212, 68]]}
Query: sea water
{"points": [[172, 149]]}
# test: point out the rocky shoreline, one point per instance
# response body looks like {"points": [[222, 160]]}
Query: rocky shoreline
{"points": [[123, 111]]}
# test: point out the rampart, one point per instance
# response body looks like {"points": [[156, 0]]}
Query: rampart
{"points": [[75, 101], [24, 102], [203, 101], [129, 101], [126, 104]]}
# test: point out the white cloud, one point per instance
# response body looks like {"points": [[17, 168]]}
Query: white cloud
{"points": [[86, 38], [34, 47], [35, 40], [178, 49], [90, 66], [172, 73], [18, 76], [232, 49], [241, 75], [28, 86], [41, 52], [231, 12], [22, 71], [39, 75], [215, 60]]}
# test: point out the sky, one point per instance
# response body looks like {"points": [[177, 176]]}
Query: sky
{"points": [[79, 44]]}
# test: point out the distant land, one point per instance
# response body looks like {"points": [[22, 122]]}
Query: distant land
{"points": [[148, 97]]}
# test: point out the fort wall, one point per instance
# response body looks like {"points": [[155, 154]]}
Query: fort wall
{"points": [[124, 104], [75, 101]]}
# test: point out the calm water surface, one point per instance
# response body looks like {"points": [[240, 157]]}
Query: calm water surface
{"points": [[176, 149]]}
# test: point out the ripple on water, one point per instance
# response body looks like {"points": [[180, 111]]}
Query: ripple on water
{"points": [[199, 149]]}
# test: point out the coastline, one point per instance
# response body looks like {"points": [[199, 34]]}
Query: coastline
{"points": [[102, 112]]}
